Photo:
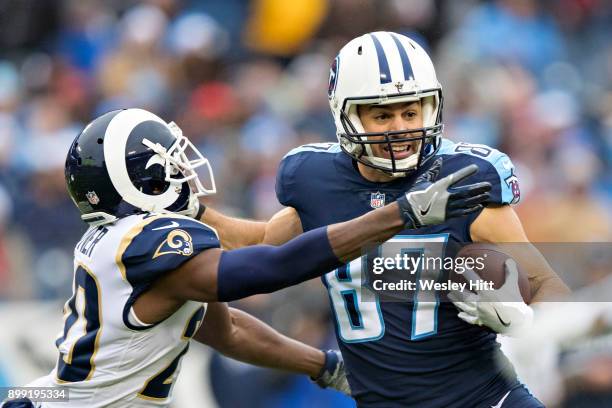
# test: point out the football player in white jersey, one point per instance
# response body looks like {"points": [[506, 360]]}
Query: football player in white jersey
{"points": [[148, 277]]}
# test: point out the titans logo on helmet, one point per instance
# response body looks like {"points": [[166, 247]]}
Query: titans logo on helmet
{"points": [[177, 242], [333, 77]]}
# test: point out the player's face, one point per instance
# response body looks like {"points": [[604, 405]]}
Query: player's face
{"points": [[392, 117]]}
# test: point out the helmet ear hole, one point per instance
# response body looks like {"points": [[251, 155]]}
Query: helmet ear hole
{"points": [[157, 186]]}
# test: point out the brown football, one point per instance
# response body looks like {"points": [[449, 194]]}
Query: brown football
{"points": [[491, 268]]}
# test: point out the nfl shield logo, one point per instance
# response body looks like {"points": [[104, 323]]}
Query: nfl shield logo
{"points": [[92, 197], [377, 200]]}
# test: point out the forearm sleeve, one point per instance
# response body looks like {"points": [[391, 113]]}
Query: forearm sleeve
{"points": [[264, 269]]}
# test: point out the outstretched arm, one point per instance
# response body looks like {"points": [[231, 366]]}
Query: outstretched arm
{"points": [[283, 226], [237, 233], [216, 275], [234, 232], [242, 337]]}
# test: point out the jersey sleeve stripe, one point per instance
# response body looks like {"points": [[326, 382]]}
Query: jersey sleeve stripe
{"points": [[316, 148], [101, 317], [495, 167], [127, 240]]}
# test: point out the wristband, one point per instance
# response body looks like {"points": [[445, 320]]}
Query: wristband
{"points": [[201, 211]]}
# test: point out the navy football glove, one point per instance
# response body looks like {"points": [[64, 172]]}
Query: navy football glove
{"points": [[431, 202], [332, 374]]}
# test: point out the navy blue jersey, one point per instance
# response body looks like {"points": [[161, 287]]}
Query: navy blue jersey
{"points": [[408, 354]]}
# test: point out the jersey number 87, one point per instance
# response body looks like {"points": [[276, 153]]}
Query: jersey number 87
{"points": [[357, 308]]}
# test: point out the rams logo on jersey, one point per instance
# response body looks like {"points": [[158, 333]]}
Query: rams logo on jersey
{"points": [[177, 242]]}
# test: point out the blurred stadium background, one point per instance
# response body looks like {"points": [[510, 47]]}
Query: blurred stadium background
{"points": [[246, 80]]}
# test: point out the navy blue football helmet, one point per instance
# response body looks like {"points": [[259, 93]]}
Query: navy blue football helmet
{"points": [[130, 161]]}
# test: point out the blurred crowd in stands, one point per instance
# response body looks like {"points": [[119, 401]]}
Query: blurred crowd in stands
{"points": [[247, 81]]}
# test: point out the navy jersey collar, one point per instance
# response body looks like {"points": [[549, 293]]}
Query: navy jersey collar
{"points": [[348, 167]]}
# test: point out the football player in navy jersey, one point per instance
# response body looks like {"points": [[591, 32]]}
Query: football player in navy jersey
{"points": [[148, 278], [387, 105]]}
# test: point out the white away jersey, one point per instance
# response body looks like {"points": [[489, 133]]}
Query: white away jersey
{"points": [[105, 358]]}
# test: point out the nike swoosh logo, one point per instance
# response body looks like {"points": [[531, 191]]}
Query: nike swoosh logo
{"points": [[173, 224], [426, 210], [500, 319], [499, 404]]}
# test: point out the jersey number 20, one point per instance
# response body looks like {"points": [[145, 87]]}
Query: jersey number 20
{"points": [[83, 320]]}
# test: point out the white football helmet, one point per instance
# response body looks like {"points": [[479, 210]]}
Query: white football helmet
{"points": [[385, 68]]}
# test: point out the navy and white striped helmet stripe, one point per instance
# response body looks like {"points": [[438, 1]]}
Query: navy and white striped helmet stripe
{"points": [[383, 64], [408, 74]]}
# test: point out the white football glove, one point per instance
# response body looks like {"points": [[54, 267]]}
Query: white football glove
{"points": [[502, 310], [332, 374]]}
